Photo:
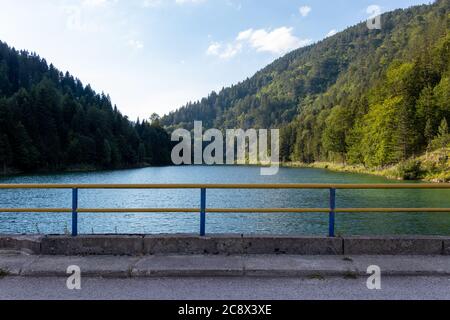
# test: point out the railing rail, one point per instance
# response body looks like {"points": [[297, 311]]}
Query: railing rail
{"points": [[331, 210]]}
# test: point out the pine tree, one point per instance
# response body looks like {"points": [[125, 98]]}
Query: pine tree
{"points": [[5, 152], [442, 139], [443, 128], [49, 120], [429, 132]]}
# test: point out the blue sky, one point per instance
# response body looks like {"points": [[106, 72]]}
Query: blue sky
{"points": [[156, 55]]}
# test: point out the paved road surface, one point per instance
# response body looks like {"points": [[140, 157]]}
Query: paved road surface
{"points": [[238, 288]]}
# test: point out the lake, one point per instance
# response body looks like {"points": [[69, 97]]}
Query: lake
{"points": [[155, 223]]}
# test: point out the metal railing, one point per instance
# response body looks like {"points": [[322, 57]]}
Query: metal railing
{"points": [[331, 210]]}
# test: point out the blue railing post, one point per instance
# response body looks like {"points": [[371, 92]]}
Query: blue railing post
{"points": [[203, 212], [331, 232], [74, 212]]}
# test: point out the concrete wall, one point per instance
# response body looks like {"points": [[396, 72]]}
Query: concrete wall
{"points": [[27, 244], [225, 245], [395, 245]]}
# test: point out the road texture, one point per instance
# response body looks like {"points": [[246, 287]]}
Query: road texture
{"points": [[226, 288]]}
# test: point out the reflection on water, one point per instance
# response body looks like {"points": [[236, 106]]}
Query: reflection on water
{"points": [[287, 223]]}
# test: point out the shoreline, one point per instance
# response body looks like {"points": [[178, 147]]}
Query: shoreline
{"points": [[79, 169], [431, 167], [388, 173], [423, 168]]}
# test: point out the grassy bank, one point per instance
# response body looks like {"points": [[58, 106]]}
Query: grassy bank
{"points": [[433, 167]]}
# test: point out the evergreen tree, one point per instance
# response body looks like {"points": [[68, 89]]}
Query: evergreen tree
{"points": [[373, 98], [51, 121], [5, 153], [338, 125]]}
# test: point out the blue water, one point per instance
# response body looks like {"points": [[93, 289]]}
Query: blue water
{"points": [[155, 223]]}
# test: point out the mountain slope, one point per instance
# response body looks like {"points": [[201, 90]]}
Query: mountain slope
{"points": [[51, 121], [373, 97]]}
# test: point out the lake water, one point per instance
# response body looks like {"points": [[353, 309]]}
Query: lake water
{"points": [[286, 223]]}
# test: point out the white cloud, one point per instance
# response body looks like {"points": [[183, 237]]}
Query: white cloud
{"points": [[224, 51], [231, 50], [135, 44], [244, 35], [305, 10], [277, 41], [331, 33], [213, 49]]}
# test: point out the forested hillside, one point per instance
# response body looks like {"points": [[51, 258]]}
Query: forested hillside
{"points": [[372, 97], [51, 121]]}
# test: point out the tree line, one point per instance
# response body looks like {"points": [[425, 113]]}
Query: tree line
{"points": [[371, 97], [50, 121]]}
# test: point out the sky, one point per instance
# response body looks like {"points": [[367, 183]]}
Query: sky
{"points": [[153, 56]]}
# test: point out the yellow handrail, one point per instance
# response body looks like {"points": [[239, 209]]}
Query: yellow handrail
{"points": [[203, 210], [224, 210], [35, 210]]}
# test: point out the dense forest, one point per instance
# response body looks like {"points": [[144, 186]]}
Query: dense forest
{"points": [[371, 97], [50, 121]]}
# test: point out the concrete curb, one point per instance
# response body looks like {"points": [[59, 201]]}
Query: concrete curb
{"points": [[137, 245], [223, 266]]}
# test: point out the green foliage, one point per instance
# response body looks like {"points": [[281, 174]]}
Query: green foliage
{"points": [[443, 128], [442, 139], [51, 121], [337, 127], [371, 97], [378, 145], [410, 170]]}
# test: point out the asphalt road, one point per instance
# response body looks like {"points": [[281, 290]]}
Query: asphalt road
{"points": [[242, 288]]}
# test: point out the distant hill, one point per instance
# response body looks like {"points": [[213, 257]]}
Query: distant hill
{"points": [[372, 97], [51, 121]]}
